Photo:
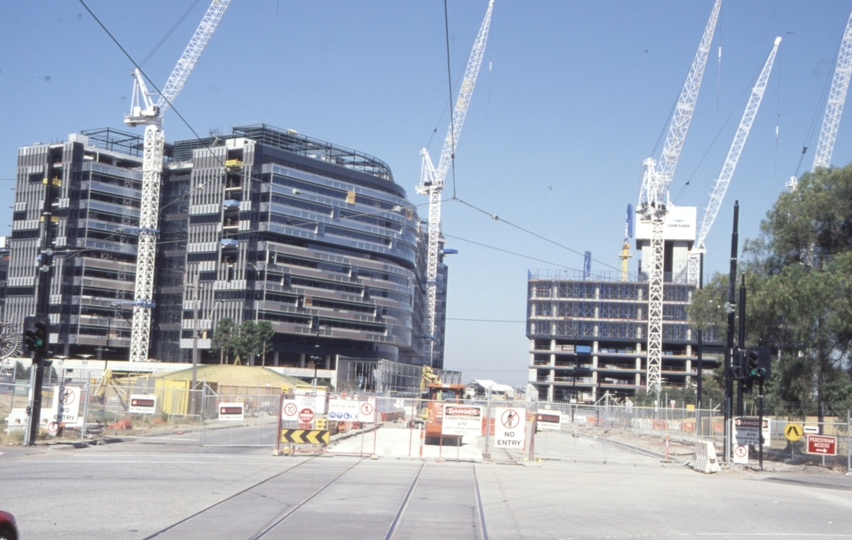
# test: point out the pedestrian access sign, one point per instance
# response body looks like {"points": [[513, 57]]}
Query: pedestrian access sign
{"points": [[822, 444], [509, 427]]}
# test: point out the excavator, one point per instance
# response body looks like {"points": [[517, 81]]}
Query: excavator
{"points": [[437, 393], [99, 393]]}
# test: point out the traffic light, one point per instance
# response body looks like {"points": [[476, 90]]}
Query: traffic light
{"points": [[36, 334], [738, 364], [757, 363]]}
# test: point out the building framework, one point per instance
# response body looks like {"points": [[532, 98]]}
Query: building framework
{"points": [[588, 336]]}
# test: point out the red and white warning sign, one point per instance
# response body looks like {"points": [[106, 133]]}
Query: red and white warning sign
{"points": [[510, 427], [741, 454], [461, 420], [546, 419], [289, 411], [142, 404], [231, 412], [306, 416], [822, 444], [367, 411]]}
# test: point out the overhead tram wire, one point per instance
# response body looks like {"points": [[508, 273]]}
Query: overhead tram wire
{"points": [[510, 252], [746, 92], [495, 217], [450, 88], [157, 89], [169, 33]]}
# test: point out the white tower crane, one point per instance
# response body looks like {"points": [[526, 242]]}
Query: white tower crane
{"points": [[653, 194], [145, 111], [836, 98], [730, 165], [432, 178]]}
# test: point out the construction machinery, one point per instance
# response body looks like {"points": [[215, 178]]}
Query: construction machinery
{"points": [[145, 112], [432, 178], [625, 247], [436, 393], [728, 168], [836, 99], [653, 198]]}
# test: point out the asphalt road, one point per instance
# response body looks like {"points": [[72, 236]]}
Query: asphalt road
{"points": [[141, 489]]}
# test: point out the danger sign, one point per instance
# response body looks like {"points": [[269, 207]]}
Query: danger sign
{"points": [[548, 420], [510, 428], [230, 412], [142, 404], [461, 420]]}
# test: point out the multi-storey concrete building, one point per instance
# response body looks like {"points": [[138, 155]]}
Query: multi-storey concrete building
{"points": [[261, 224], [589, 336]]}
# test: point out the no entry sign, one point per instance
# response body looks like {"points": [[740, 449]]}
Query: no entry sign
{"points": [[510, 427]]}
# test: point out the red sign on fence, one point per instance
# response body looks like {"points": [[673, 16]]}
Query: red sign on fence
{"points": [[821, 444]]}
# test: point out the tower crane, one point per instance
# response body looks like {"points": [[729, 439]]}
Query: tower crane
{"points": [[653, 194], [625, 248], [432, 178], [145, 112], [730, 165], [836, 98]]}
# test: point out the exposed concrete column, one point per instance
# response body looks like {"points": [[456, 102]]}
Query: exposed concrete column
{"points": [[302, 360], [275, 358]]}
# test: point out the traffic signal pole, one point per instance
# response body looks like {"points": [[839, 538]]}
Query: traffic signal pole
{"points": [[37, 337], [729, 342]]}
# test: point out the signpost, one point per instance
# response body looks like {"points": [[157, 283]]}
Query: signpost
{"points": [[461, 420], [66, 404], [747, 431], [231, 412], [822, 444], [289, 411], [548, 420], [510, 427], [793, 432], [142, 404]]}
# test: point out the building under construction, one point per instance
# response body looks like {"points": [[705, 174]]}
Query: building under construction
{"points": [[588, 336], [262, 224]]}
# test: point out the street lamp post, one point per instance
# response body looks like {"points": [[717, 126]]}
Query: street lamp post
{"points": [[256, 302]]}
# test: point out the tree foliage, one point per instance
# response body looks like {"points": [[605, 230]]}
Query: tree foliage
{"points": [[243, 340], [800, 290]]}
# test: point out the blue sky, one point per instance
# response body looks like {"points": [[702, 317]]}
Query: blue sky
{"points": [[572, 96]]}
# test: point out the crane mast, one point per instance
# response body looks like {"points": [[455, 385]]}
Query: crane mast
{"points": [[145, 112], [653, 193], [730, 165], [432, 178], [836, 99]]}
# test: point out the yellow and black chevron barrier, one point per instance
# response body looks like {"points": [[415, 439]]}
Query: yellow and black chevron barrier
{"points": [[304, 436]]}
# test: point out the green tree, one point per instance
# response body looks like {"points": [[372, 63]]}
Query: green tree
{"points": [[800, 290], [224, 338], [264, 334], [245, 340]]}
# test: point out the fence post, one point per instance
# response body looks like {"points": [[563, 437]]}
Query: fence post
{"points": [[848, 457]]}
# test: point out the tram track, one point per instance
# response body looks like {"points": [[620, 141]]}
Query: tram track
{"points": [[391, 501]]}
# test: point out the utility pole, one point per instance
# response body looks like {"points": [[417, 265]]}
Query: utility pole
{"points": [[37, 338], [729, 343], [192, 384]]}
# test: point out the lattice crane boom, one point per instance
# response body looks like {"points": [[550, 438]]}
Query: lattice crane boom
{"points": [[145, 112], [654, 186], [730, 165], [652, 198], [432, 178], [836, 99]]}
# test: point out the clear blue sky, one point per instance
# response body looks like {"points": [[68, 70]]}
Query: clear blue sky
{"points": [[572, 96]]}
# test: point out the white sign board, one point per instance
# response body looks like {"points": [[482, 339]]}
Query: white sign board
{"points": [[545, 419], [314, 400], [741, 455], [142, 404], [66, 404], [231, 412], [367, 411], [509, 427], [343, 410], [461, 420], [290, 410], [746, 431]]}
